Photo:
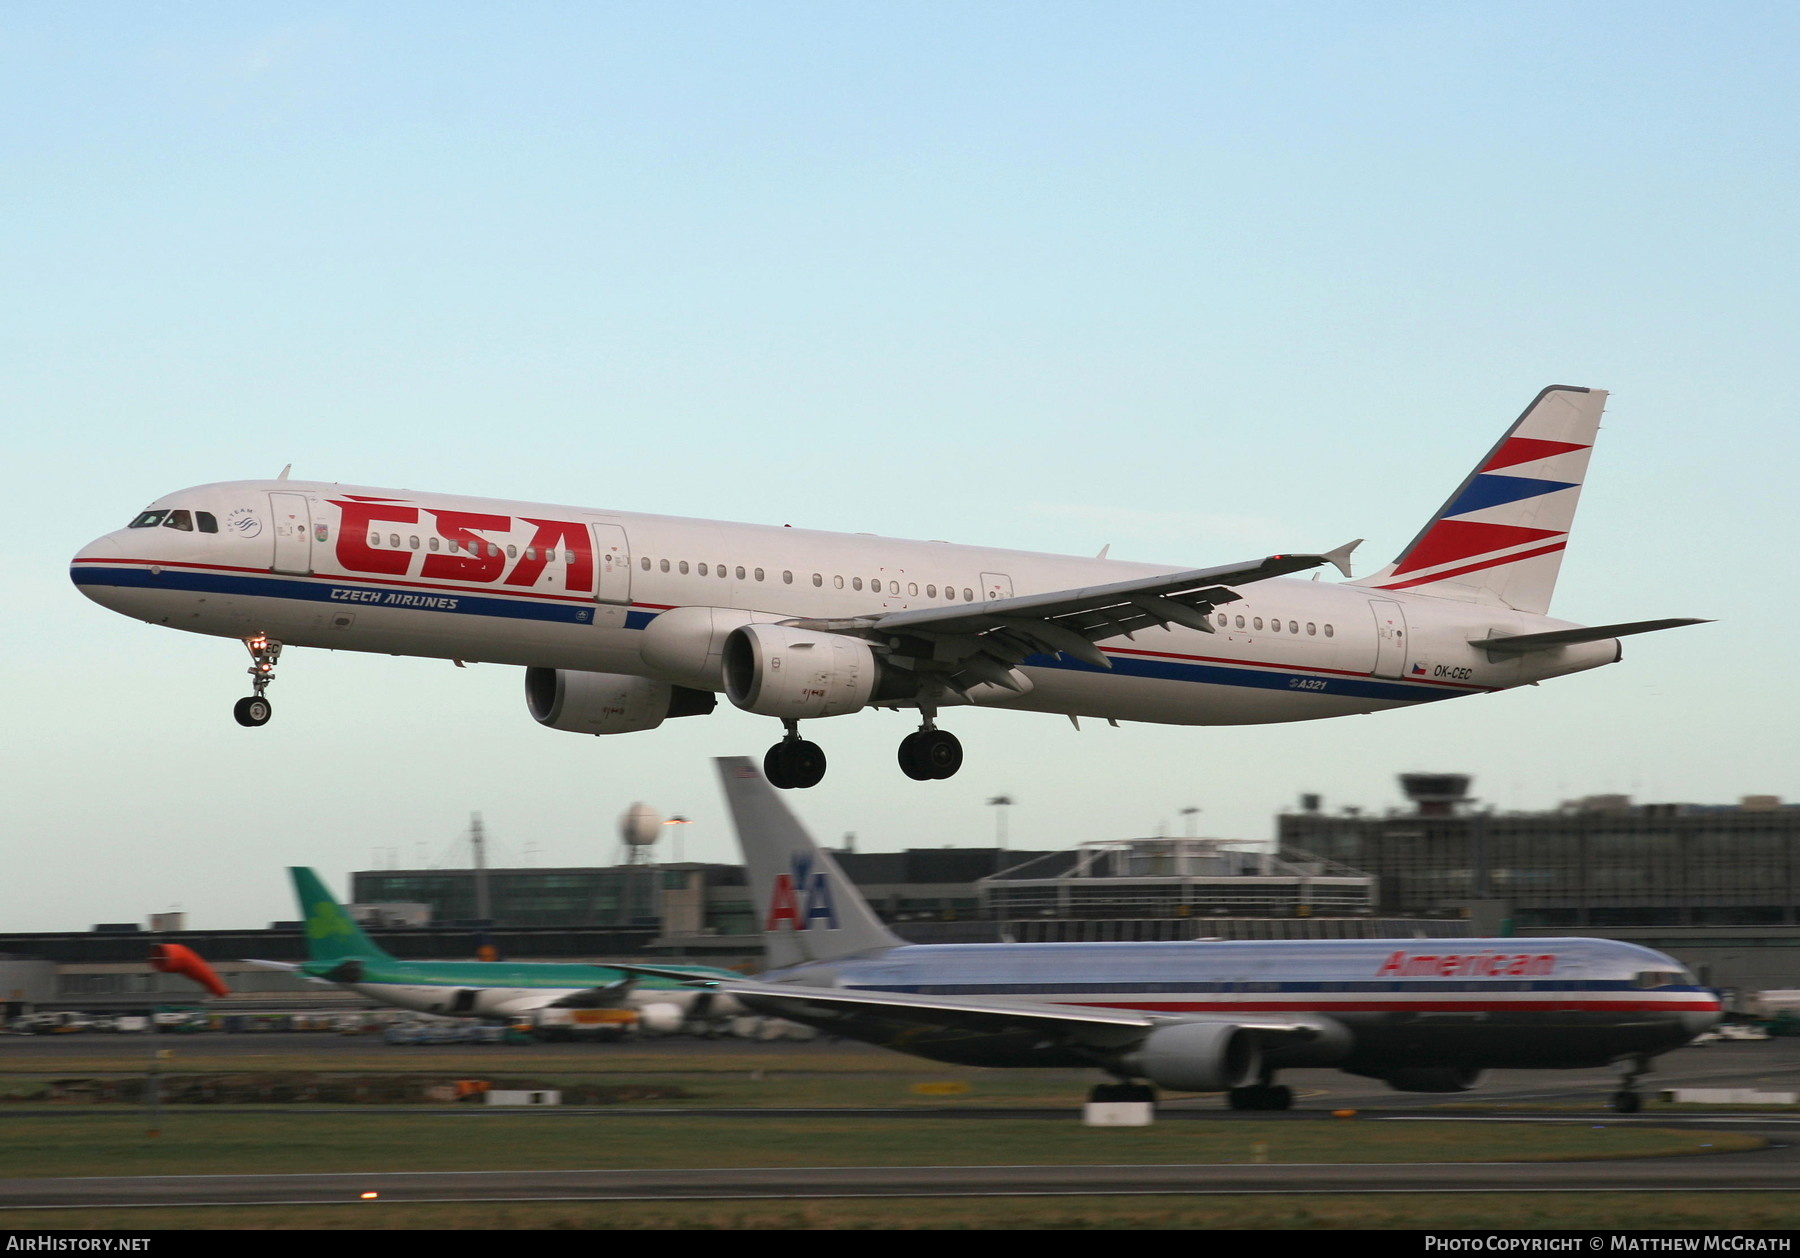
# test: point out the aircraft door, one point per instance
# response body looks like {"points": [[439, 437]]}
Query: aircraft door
{"points": [[612, 562], [1390, 638], [293, 533], [995, 585]]}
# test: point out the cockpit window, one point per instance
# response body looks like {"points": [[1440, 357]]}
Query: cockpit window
{"points": [[149, 519], [183, 520], [208, 522], [1660, 978]]}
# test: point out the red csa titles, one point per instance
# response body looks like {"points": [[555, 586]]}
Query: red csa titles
{"points": [[472, 557]]}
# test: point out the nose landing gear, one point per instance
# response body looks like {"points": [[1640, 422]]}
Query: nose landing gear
{"points": [[256, 710], [1627, 1099], [793, 763]]}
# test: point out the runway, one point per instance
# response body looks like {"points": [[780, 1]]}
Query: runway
{"points": [[1508, 1097], [1772, 1169]]}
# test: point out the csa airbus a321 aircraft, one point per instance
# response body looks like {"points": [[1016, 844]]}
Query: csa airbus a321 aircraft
{"points": [[1200, 1015], [624, 621]]}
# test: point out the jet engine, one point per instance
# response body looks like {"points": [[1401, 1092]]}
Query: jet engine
{"points": [[1198, 1057], [661, 1018], [1433, 1079], [608, 703], [773, 670]]}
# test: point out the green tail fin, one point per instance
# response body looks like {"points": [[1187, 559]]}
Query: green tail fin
{"points": [[330, 934]]}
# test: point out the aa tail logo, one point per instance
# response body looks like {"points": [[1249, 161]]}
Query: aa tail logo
{"points": [[801, 897]]}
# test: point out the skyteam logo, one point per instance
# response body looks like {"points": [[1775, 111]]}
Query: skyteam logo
{"points": [[801, 897]]}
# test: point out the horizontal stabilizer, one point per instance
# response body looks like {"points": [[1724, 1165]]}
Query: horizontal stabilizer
{"points": [[1525, 642]]}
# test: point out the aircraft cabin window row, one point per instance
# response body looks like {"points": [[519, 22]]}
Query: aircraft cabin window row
{"points": [[178, 518], [875, 584], [394, 542], [1256, 622]]}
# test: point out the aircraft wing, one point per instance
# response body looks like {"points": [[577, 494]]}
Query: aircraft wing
{"points": [[862, 1014], [972, 643]]}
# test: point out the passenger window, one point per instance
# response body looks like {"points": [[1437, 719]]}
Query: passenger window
{"points": [[893, 587], [512, 552], [720, 569], [664, 566], [1293, 626], [179, 520], [684, 568], [1274, 626], [1312, 629], [1328, 631], [209, 523], [703, 572], [413, 541], [838, 582], [931, 591], [432, 542], [758, 574], [856, 583], [1240, 622], [1256, 622], [968, 595], [644, 563], [374, 539], [740, 572], [912, 590], [148, 520], [1223, 620]]}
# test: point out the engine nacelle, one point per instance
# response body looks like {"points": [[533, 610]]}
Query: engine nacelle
{"points": [[1433, 1079], [661, 1018], [686, 645], [1198, 1057], [608, 703], [798, 673]]}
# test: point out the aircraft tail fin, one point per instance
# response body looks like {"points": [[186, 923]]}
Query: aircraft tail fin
{"points": [[1499, 538], [808, 909], [331, 935]]}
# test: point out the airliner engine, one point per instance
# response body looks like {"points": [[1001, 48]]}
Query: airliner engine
{"points": [[1198, 1057], [798, 673], [608, 703]]}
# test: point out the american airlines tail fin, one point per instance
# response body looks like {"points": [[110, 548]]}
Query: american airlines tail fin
{"points": [[808, 909], [1499, 538], [330, 934]]}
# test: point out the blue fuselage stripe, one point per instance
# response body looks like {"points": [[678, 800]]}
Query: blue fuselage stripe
{"points": [[352, 593]]}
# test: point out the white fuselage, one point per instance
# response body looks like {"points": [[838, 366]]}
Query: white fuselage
{"points": [[348, 568]]}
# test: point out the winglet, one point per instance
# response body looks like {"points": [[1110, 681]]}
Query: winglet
{"points": [[1340, 558]]}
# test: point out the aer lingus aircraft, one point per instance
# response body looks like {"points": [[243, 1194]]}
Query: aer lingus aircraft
{"points": [[1202, 1015], [624, 621], [339, 952]]}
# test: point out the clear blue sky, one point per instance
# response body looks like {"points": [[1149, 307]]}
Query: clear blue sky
{"points": [[1199, 281]]}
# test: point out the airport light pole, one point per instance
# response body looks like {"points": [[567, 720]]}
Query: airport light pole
{"points": [[1000, 803]]}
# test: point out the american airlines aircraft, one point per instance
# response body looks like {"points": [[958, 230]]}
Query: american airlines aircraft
{"points": [[624, 621], [1201, 1015]]}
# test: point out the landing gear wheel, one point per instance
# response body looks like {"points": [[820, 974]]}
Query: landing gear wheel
{"points": [[1627, 1102], [930, 754], [253, 711], [794, 764]]}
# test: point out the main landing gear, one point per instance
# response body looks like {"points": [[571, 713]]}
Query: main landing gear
{"points": [[1101, 1093], [1264, 1096], [793, 763], [256, 710], [929, 752], [1627, 1100]]}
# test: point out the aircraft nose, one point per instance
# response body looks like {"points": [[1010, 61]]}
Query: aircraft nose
{"points": [[88, 567]]}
